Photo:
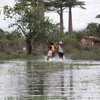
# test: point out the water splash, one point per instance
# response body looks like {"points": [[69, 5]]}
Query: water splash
{"points": [[68, 61], [55, 59]]}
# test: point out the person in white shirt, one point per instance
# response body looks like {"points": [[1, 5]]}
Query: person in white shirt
{"points": [[60, 50], [49, 53]]}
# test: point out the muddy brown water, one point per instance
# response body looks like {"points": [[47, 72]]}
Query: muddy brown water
{"points": [[42, 80]]}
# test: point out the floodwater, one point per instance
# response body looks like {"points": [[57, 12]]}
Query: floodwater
{"points": [[54, 80]]}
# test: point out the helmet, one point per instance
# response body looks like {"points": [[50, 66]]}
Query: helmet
{"points": [[60, 42]]}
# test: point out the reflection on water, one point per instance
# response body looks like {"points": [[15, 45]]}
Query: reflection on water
{"points": [[28, 80]]}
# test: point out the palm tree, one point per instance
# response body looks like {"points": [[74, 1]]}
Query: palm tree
{"points": [[70, 4]]}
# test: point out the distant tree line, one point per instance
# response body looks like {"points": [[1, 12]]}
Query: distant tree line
{"points": [[11, 40]]}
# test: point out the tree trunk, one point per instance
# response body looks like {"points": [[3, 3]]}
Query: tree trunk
{"points": [[61, 22], [29, 46], [41, 4], [70, 29]]}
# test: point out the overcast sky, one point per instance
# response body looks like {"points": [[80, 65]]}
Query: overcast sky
{"points": [[80, 17]]}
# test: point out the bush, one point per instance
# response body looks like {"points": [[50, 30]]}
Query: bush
{"points": [[8, 52]]}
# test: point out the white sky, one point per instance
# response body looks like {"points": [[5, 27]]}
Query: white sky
{"points": [[80, 17]]}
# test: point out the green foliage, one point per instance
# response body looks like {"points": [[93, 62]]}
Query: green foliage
{"points": [[98, 30], [8, 52], [10, 40], [29, 22], [1, 31], [38, 30], [98, 16], [93, 29], [59, 7], [79, 34], [56, 5], [2, 44], [2, 34]]}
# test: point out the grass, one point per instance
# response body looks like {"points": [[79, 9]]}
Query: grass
{"points": [[40, 98], [82, 53], [18, 54]]}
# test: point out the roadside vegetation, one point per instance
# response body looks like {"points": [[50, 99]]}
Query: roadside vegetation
{"points": [[34, 32], [12, 46]]}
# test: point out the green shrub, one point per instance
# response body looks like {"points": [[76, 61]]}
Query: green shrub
{"points": [[8, 52]]}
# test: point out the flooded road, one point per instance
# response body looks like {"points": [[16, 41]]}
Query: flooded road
{"points": [[42, 80]]}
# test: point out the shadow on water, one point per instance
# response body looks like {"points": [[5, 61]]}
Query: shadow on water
{"points": [[29, 80], [35, 79], [71, 83]]}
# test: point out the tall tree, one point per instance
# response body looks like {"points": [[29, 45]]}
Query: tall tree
{"points": [[28, 21], [70, 4], [40, 4], [25, 16], [58, 7]]}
